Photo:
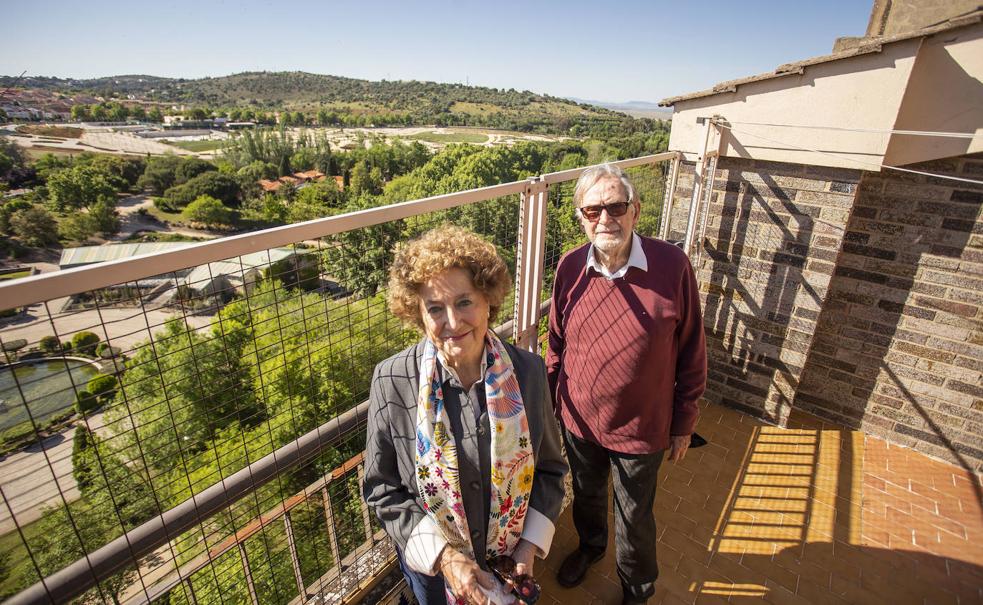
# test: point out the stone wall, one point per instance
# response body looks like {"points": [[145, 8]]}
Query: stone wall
{"points": [[853, 296]]}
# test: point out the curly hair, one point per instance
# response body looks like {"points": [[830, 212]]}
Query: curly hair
{"points": [[438, 250]]}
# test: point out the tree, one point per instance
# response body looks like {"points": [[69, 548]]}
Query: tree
{"points": [[34, 226], [160, 174], [79, 187], [220, 186], [155, 115], [360, 259], [365, 179], [209, 211], [105, 217], [122, 173], [257, 170], [83, 445], [316, 200], [206, 383], [189, 168], [14, 170], [7, 211], [115, 499]]}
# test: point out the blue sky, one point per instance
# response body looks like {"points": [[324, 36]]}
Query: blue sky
{"points": [[634, 50]]}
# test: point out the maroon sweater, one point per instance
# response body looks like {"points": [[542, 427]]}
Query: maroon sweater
{"points": [[627, 357]]}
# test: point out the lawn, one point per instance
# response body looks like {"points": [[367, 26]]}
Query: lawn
{"points": [[198, 146], [15, 275], [452, 137], [163, 216]]}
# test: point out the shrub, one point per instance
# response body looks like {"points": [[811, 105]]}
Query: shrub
{"points": [[209, 211], [106, 351], [50, 345], [85, 402], [85, 342], [14, 345], [102, 386], [164, 204]]}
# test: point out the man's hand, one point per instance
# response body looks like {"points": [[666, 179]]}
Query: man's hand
{"points": [[463, 576], [678, 444]]}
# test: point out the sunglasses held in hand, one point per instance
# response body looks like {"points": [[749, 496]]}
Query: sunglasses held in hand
{"points": [[523, 586]]}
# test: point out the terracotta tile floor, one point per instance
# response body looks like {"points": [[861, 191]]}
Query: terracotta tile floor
{"points": [[809, 514]]}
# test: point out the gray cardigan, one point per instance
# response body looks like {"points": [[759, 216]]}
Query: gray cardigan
{"points": [[390, 451]]}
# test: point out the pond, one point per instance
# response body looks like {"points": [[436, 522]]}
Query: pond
{"points": [[45, 385]]}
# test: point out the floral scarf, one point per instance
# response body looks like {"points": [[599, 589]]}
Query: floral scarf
{"points": [[511, 454]]}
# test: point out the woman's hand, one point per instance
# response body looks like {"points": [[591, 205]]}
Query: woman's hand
{"points": [[524, 555], [463, 576]]}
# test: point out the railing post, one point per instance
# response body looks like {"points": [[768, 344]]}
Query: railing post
{"points": [[249, 574], [294, 559], [699, 182], [670, 194], [697, 255], [531, 253], [332, 529]]}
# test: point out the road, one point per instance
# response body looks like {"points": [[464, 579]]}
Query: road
{"points": [[39, 476]]}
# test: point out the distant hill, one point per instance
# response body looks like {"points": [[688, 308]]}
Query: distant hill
{"points": [[639, 109], [384, 102]]}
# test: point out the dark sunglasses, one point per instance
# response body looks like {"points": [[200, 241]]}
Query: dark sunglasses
{"points": [[523, 586], [593, 213]]}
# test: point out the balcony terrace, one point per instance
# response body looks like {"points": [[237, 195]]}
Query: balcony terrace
{"points": [[221, 463]]}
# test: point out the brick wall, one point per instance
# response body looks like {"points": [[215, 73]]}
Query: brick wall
{"points": [[899, 349], [854, 296], [773, 234]]}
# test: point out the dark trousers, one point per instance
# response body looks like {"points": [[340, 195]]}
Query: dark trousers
{"points": [[428, 590], [635, 479]]}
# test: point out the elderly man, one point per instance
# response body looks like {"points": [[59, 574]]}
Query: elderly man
{"points": [[626, 365]]}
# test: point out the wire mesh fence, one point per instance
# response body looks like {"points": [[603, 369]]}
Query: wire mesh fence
{"points": [[120, 403]]}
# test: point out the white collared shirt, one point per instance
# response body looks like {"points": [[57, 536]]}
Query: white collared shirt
{"points": [[636, 258]]}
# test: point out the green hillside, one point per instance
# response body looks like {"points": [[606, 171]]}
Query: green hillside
{"points": [[347, 101]]}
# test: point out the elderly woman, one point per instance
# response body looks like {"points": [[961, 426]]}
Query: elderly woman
{"points": [[463, 459]]}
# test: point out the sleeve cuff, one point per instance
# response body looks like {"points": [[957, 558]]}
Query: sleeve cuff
{"points": [[424, 546], [538, 530]]}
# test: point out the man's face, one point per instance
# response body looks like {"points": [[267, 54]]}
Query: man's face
{"points": [[610, 234]]}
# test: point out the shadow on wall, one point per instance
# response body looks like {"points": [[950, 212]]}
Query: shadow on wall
{"points": [[894, 352], [766, 282]]}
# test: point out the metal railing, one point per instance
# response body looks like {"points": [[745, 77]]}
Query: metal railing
{"points": [[202, 468]]}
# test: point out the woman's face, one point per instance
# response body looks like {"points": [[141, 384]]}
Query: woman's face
{"points": [[455, 316]]}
